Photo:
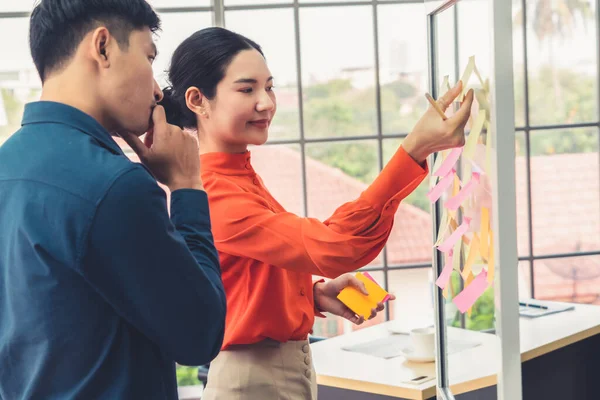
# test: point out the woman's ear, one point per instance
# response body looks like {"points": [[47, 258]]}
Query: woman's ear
{"points": [[196, 102]]}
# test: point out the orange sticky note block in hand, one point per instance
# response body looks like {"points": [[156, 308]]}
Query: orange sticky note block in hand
{"points": [[358, 302]]}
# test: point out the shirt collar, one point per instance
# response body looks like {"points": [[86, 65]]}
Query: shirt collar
{"points": [[227, 163], [52, 112]]}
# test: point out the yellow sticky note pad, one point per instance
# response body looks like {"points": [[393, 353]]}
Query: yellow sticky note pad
{"points": [[358, 302]]}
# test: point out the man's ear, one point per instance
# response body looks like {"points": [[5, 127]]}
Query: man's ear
{"points": [[101, 47], [196, 102]]}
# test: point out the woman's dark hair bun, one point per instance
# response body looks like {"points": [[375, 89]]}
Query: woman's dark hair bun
{"points": [[172, 107]]}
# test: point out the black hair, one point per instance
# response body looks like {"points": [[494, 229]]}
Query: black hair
{"points": [[201, 61], [57, 27]]}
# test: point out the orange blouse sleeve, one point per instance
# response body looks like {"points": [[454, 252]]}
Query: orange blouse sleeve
{"points": [[244, 225]]}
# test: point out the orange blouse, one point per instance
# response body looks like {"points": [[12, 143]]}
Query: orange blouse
{"points": [[268, 255]]}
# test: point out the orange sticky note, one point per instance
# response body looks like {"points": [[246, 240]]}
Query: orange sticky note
{"points": [[358, 302], [485, 229], [453, 224], [473, 252], [456, 186], [466, 240], [491, 261]]}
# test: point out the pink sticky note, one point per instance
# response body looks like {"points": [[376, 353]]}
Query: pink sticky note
{"points": [[444, 277], [436, 192], [456, 201], [449, 162], [368, 275], [471, 293], [448, 244]]}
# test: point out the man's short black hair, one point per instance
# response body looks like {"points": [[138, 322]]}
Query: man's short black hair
{"points": [[57, 27]]}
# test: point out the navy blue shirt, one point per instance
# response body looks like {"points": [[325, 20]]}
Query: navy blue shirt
{"points": [[101, 292]]}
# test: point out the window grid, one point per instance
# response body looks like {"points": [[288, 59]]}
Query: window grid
{"points": [[218, 7]]}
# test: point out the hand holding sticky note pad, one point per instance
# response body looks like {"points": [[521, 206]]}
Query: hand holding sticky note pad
{"points": [[360, 303]]}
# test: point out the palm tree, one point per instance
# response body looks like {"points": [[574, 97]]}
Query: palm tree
{"points": [[551, 19]]}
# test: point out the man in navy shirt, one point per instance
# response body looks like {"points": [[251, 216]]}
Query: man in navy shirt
{"points": [[101, 292]]}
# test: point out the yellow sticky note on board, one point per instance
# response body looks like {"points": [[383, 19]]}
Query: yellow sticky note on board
{"points": [[467, 75], [444, 87], [481, 96], [453, 224], [485, 229], [481, 81], [358, 302], [455, 186], [456, 252], [466, 241], [473, 138], [445, 291], [473, 253], [444, 223]]}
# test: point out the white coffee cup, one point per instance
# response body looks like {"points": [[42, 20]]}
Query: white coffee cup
{"points": [[423, 341]]}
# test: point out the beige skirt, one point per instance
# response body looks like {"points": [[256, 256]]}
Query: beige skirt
{"points": [[268, 370]]}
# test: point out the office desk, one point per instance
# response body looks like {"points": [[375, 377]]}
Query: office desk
{"points": [[560, 355]]}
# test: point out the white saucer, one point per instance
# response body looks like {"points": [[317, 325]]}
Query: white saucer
{"points": [[409, 353]]}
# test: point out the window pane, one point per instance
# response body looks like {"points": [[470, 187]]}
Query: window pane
{"points": [[178, 3], [327, 1], [562, 62], [337, 173], [17, 5], [281, 171], [413, 307], [339, 85], [402, 66], [572, 279], [330, 326], [446, 45], [522, 195], [473, 16], [19, 80], [280, 52], [565, 191], [524, 280], [176, 27], [254, 3], [518, 63], [411, 238]]}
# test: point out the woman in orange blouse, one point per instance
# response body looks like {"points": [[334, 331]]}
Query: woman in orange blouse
{"points": [[222, 87]]}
